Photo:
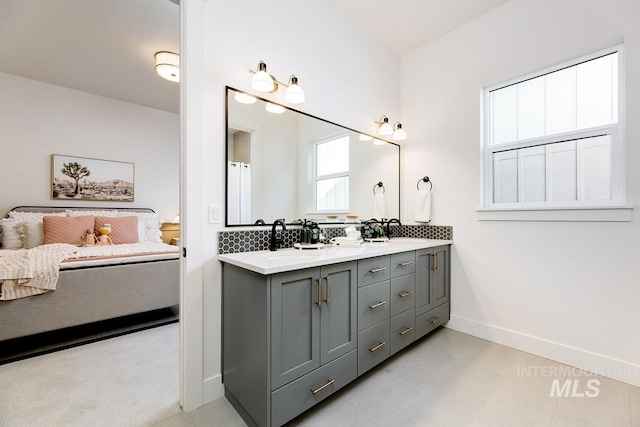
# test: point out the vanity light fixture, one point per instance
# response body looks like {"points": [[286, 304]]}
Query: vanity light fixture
{"points": [[398, 133], [274, 108], [244, 98], [168, 65], [384, 128], [262, 81]]}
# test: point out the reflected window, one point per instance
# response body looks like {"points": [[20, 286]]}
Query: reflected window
{"points": [[552, 138], [332, 174]]}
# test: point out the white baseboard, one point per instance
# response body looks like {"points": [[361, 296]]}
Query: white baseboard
{"points": [[592, 362], [212, 389]]}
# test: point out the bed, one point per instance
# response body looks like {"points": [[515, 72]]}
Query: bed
{"points": [[96, 288]]}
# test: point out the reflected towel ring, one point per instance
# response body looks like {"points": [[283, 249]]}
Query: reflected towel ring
{"points": [[379, 185], [424, 179]]}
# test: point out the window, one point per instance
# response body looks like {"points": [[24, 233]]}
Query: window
{"points": [[332, 174], [554, 139]]}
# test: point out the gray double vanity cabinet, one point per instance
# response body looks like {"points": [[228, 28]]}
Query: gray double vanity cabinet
{"points": [[298, 326]]}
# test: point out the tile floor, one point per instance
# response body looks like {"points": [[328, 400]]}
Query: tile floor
{"points": [[453, 379]]}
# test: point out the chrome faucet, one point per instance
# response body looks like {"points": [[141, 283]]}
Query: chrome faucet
{"points": [[388, 228], [275, 242]]}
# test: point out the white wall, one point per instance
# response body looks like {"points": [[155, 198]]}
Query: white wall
{"points": [[347, 79], [39, 119], [566, 291]]}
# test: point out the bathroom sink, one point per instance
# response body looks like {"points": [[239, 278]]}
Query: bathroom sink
{"points": [[293, 254]]}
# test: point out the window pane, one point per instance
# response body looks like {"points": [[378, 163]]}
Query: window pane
{"points": [[531, 174], [531, 108], [561, 172], [504, 110], [595, 92], [594, 168], [333, 156], [505, 177], [332, 193], [561, 101]]}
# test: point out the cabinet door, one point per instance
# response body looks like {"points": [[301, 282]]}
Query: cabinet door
{"points": [[338, 311], [424, 296], [440, 275], [295, 325]]}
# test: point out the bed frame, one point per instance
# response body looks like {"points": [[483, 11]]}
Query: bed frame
{"points": [[92, 294]]}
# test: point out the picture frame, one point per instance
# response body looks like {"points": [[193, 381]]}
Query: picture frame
{"points": [[82, 178]]}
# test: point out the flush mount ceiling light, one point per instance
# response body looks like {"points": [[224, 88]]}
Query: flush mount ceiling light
{"points": [[262, 81], [384, 128], [398, 133], [168, 65]]}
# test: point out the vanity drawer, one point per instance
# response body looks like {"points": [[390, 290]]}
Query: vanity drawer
{"points": [[296, 397], [372, 270], [373, 346], [403, 330], [427, 322], [403, 293], [373, 304], [403, 263]]}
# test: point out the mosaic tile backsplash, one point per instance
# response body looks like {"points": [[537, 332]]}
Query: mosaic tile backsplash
{"points": [[258, 240]]}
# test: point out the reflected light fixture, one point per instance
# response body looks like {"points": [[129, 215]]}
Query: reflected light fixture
{"points": [[262, 81], [398, 133], [364, 137], [168, 65], [274, 108], [384, 128], [244, 98]]}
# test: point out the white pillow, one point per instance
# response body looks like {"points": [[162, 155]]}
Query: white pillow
{"points": [[32, 234], [72, 213], [11, 238], [32, 216], [142, 231], [151, 224]]}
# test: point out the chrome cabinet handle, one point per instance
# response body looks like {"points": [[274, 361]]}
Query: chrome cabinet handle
{"points": [[320, 292], [435, 320], [404, 264], [322, 387], [406, 331], [436, 263], [378, 347], [377, 270], [380, 304], [405, 294]]}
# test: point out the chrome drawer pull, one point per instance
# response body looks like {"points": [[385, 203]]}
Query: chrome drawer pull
{"points": [[377, 270], [405, 294], [322, 387], [406, 331], [404, 264], [378, 347], [435, 320], [380, 304], [319, 292]]}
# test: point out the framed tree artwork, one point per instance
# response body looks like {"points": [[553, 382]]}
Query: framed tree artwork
{"points": [[81, 178]]}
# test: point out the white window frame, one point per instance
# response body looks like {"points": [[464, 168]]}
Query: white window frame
{"points": [[317, 178], [610, 210]]}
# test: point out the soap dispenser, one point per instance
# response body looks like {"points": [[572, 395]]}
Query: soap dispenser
{"points": [[305, 234]]}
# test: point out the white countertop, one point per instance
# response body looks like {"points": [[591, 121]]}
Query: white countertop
{"points": [[269, 262]]}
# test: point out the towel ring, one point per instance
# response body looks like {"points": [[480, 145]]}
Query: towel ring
{"points": [[424, 179], [378, 185]]}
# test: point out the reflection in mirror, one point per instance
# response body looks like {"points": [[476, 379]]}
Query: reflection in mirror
{"points": [[282, 163]]}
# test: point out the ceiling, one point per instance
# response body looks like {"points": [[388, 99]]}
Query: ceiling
{"points": [[107, 47]]}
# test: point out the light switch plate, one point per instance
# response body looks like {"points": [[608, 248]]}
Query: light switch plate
{"points": [[215, 214]]}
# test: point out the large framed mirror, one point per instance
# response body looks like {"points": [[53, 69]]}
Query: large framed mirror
{"points": [[286, 164]]}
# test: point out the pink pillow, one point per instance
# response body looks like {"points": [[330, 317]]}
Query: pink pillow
{"points": [[59, 229], [124, 229]]}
